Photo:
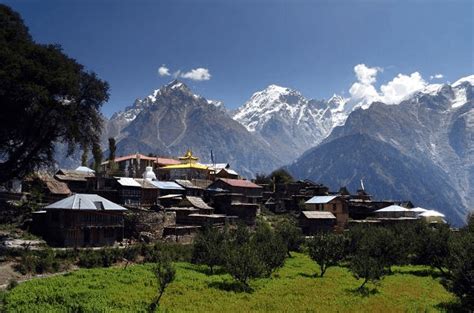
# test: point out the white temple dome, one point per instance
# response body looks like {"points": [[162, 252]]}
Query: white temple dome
{"points": [[149, 174]]}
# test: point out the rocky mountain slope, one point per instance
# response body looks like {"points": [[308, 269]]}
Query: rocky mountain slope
{"points": [[427, 142], [285, 119], [173, 119]]}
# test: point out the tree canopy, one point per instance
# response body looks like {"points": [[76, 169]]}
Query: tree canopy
{"points": [[46, 97]]}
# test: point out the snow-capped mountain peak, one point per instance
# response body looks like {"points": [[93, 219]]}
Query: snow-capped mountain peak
{"points": [[469, 79]]}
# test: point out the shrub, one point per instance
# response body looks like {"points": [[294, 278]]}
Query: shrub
{"points": [[12, 284], [327, 250], [27, 263], [175, 252], [46, 262], [89, 259]]}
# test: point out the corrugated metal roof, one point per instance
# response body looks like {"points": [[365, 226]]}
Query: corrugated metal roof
{"points": [[84, 169], [82, 201], [145, 183], [318, 215], [170, 185], [128, 182], [321, 199], [393, 208], [240, 183]]}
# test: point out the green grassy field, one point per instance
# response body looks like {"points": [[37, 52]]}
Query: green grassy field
{"points": [[292, 289]]}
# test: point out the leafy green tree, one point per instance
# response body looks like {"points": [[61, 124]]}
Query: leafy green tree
{"points": [[432, 246], [84, 156], [281, 176], [165, 274], [262, 179], [291, 235], [327, 250], [97, 153], [271, 248], [112, 148], [46, 98], [459, 278], [364, 266], [209, 247], [243, 263]]}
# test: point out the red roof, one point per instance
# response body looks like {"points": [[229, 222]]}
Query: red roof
{"points": [[158, 160], [240, 183], [166, 161]]}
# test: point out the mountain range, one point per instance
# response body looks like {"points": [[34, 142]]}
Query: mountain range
{"points": [[421, 149]]}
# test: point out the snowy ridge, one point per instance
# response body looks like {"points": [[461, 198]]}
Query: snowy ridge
{"points": [[311, 119]]}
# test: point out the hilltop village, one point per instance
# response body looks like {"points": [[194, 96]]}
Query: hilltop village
{"points": [[140, 198]]}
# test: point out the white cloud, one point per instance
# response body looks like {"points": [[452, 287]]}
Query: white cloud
{"points": [[197, 74], [164, 71], [363, 92], [400, 87], [436, 76], [366, 75]]}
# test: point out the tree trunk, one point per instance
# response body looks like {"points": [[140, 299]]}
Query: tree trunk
{"points": [[363, 284]]}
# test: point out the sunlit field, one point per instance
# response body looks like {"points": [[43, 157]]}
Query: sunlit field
{"points": [[293, 288]]}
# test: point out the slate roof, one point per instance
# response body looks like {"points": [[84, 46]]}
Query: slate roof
{"points": [[128, 182], [83, 201], [54, 186], [169, 185], [318, 215], [57, 187], [73, 175], [186, 183], [321, 199], [393, 208], [197, 202]]}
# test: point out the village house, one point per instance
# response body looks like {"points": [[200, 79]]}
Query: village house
{"points": [[334, 204], [129, 191], [191, 188], [239, 186], [46, 187], [81, 220], [79, 180], [313, 222], [285, 197]]}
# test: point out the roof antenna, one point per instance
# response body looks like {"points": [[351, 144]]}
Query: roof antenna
{"points": [[362, 184]]}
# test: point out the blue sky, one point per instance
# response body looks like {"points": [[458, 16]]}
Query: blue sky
{"points": [[312, 46]]}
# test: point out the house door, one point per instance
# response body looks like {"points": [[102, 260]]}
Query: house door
{"points": [[87, 236]]}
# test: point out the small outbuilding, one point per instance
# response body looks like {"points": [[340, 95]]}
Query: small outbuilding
{"points": [[334, 204], [81, 220], [312, 222]]}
